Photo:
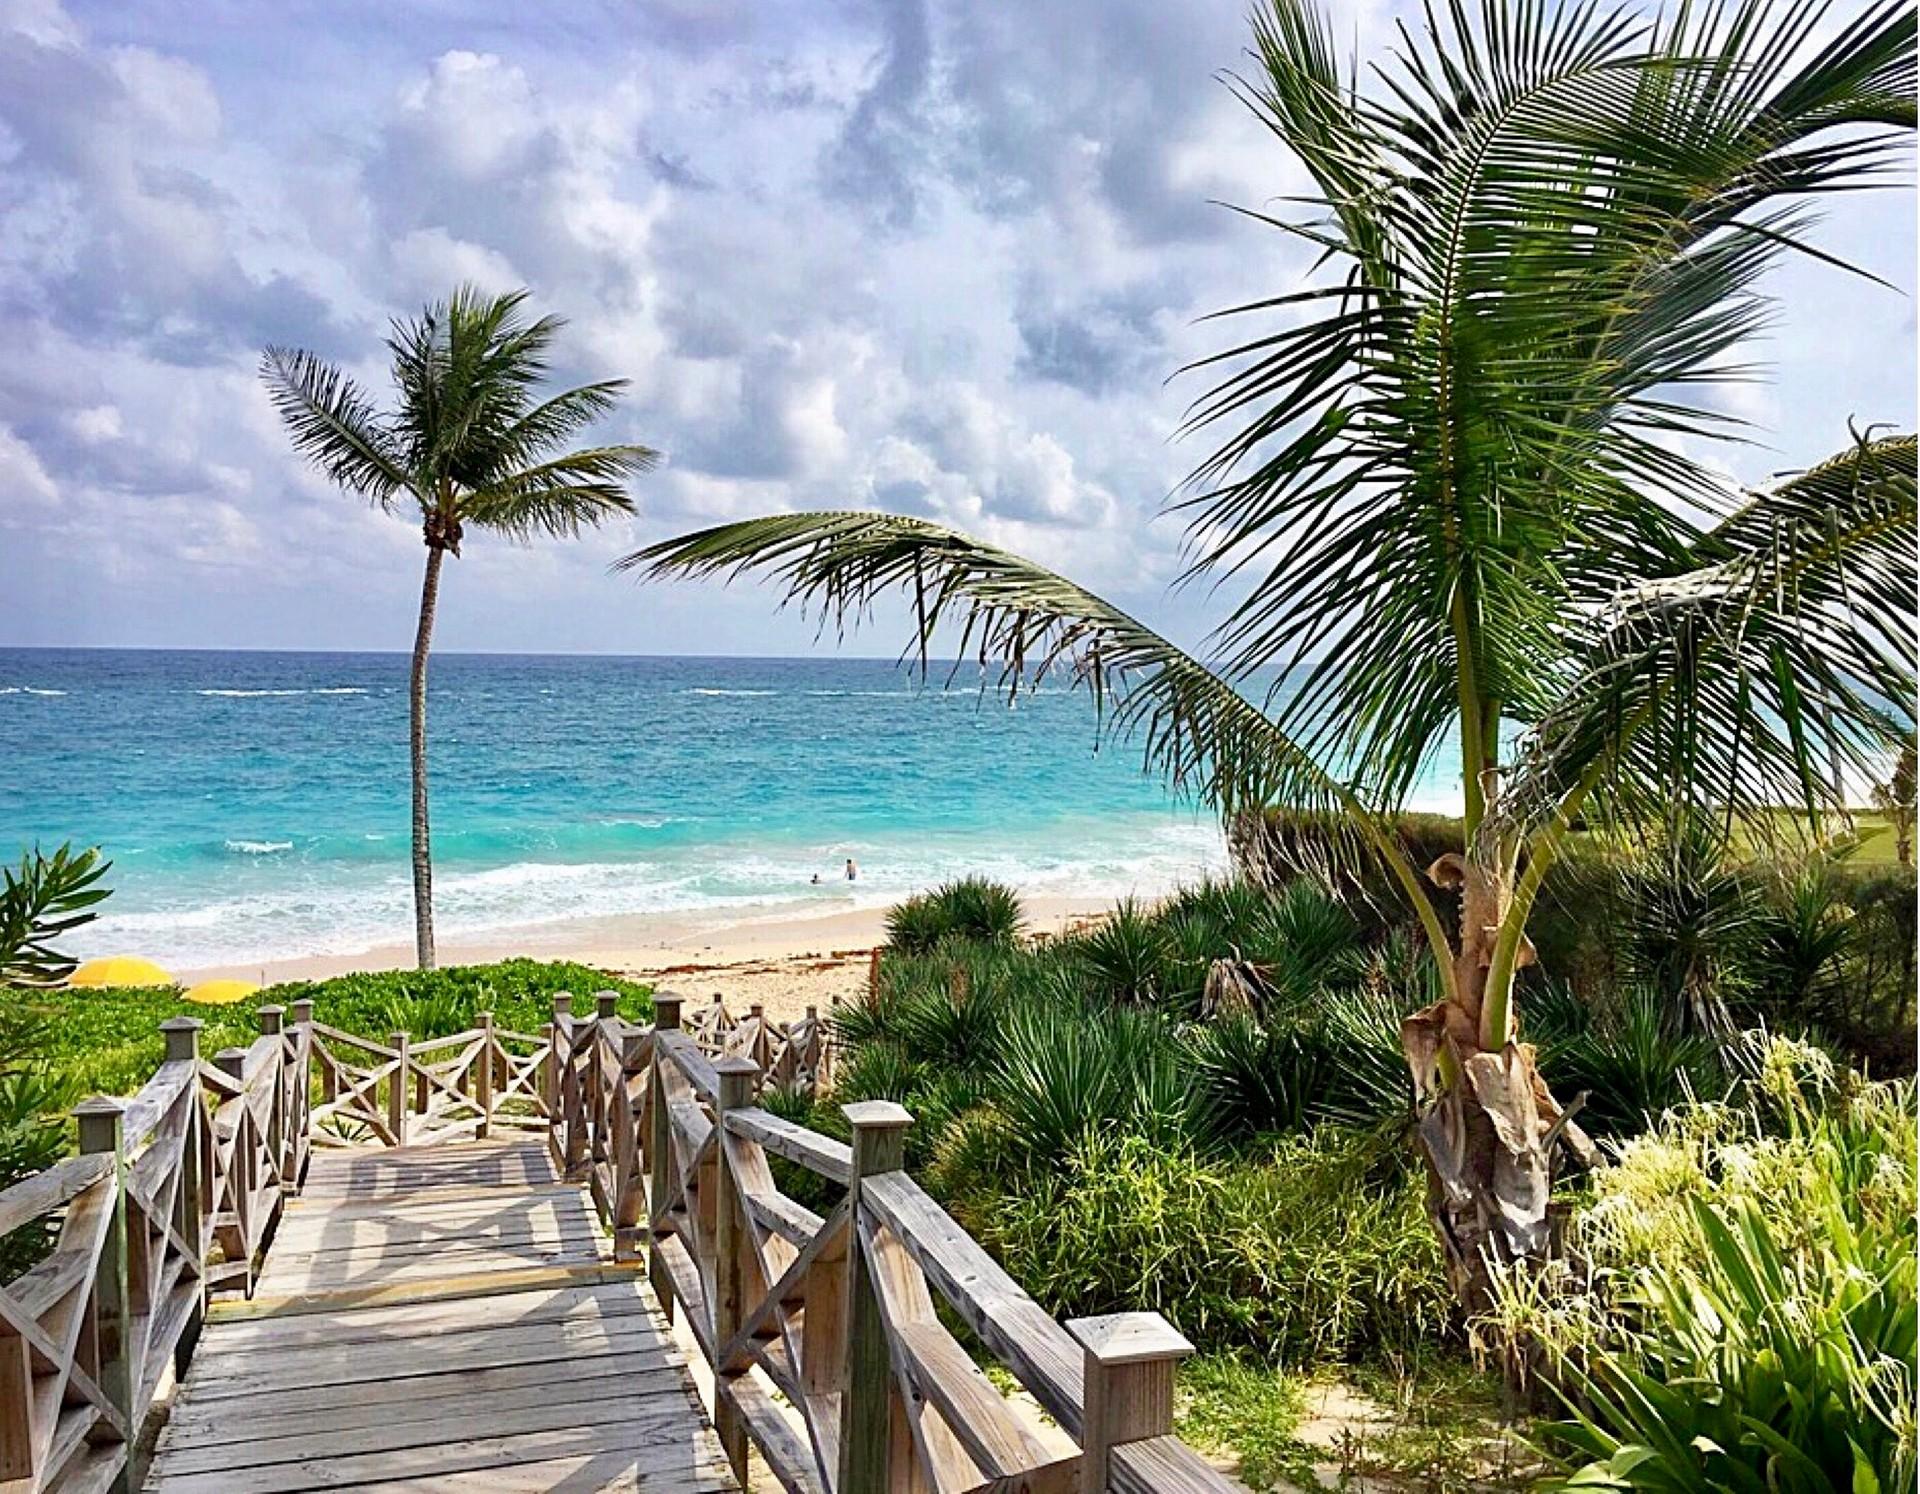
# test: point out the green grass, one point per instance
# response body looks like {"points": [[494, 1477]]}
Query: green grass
{"points": [[107, 1040], [1246, 1411]]}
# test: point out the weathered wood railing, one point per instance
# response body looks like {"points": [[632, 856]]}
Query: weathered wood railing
{"points": [[173, 1195], [828, 1353], [827, 1350], [408, 1093]]}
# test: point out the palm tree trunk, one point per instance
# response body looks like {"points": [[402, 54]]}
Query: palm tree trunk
{"points": [[417, 744]]}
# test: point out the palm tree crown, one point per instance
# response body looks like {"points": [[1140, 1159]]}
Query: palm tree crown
{"points": [[469, 441]]}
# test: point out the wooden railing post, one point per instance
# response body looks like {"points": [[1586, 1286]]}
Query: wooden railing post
{"points": [[731, 1241], [240, 1179], [182, 1035], [302, 1089], [1128, 1386], [558, 1051], [269, 1019], [866, 1384], [630, 1186], [113, 1370], [397, 1090], [666, 1018], [483, 1078], [572, 1103], [602, 1080]]}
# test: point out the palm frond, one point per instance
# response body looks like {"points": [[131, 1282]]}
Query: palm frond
{"points": [[333, 424], [1786, 647], [560, 497], [1026, 622], [1543, 230]]}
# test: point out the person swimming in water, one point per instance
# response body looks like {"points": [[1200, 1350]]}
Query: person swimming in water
{"points": [[853, 872], [816, 879]]}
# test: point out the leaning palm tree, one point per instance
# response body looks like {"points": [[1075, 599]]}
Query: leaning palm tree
{"points": [[1460, 472], [469, 444]]}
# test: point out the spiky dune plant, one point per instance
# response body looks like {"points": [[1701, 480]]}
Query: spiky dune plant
{"points": [[468, 444], [1459, 479]]}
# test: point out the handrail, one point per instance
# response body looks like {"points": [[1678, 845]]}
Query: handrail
{"points": [[173, 1196], [827, 1351]]}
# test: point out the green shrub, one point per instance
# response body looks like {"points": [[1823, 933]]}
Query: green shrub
{"points": [[972, 909], [107, 1041], [1737, 1306], [1064, 1071], [1758, 1365], [1629, 1058], [1125, 957], [1242, 1405], [1315, 1249]]}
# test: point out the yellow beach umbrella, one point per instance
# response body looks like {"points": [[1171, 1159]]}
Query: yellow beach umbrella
{"points": [[120, 970], [221, 992]]}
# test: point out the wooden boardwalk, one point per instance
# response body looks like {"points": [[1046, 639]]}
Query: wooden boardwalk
{"points": [[443, 1266], [443, 1317]]}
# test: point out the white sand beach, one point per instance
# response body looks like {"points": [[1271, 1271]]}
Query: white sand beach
{"points": [[784, 960]]}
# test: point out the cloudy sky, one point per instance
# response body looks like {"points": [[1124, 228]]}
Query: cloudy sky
{"points": [[935, 255]]}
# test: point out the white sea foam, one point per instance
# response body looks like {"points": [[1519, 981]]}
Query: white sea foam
{"points": [[263, 694], [28, 690], [303, 909], [258, 847], [700, 690]]}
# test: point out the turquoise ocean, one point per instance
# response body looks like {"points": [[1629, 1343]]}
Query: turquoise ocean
{"points": [[255, 804]]}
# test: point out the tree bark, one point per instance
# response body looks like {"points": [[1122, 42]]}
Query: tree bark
{"points": [[1492, 1126], [417, 744]]}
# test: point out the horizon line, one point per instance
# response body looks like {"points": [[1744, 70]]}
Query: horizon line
{"points": [[443, 653]]}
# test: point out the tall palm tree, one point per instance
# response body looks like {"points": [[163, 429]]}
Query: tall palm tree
{"points": [[1460, 473], [469, 444]]}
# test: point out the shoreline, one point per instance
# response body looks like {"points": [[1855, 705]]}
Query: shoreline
{"points": [[786, 959]]}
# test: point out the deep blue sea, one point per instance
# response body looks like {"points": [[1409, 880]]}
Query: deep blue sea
{"points": [[255, 804]]}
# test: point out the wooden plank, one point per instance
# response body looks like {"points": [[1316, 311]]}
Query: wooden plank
{"points": [[663, 1444], [780, 1215], [46, 1191], [1166, 1465], [354, 1408], [278, 1335], [786, 1453], [359, 1274], [628, 1472], [402, 1240], [214, 1375], [485, 1284]]}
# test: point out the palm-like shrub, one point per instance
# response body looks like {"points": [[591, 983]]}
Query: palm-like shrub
{"points": [[470, 443], [1633, 1059], [42, 900], [1126, 956], [1258, 1078], [1065, 1070], [975, 910], [1448, 463]]}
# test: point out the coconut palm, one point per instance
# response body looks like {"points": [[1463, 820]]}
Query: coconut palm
{"points": [[1459, 465], [471, 444]]}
